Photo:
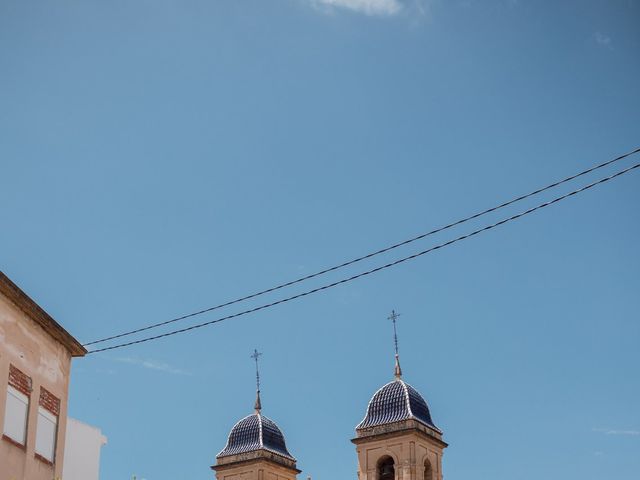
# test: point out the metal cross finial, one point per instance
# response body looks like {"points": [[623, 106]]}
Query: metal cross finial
{"points": [[394, 317], [256, 355]]}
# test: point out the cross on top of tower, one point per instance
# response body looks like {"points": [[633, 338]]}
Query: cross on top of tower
{"points": [[256, 355], [394, 317]]}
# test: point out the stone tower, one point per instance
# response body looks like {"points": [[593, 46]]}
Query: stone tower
{"points": [[255, 450], [397, 440]]}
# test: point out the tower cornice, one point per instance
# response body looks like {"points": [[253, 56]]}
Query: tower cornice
{"points": [[398, 429], [257, 457]]}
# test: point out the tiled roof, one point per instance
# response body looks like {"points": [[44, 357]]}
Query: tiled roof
{"points": [[255, 432], [395, 402]]}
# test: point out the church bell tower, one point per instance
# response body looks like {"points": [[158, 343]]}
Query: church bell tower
{"points": [[397, 439], [255, 449]]}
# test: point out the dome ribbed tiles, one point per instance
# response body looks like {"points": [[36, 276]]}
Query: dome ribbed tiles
{"points": [[255, 432], [394, 402]]}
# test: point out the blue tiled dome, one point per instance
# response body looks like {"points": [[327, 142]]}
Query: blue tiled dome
{"points": [[394, 402], [255, 432]]}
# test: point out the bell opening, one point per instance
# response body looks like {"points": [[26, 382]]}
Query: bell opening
{"points": [[386, 469]]}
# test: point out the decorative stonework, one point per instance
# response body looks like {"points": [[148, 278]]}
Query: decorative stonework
{"points": [[399, 427], [256, 454]]}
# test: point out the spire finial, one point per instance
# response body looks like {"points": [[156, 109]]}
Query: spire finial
{"points": [[393, 317], [256, 355]]}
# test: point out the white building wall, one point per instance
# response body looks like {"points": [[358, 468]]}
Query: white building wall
{"points": [[82, 451]]}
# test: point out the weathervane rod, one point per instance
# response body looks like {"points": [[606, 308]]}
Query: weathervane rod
{"points": [[393, 317], [256, 355]]}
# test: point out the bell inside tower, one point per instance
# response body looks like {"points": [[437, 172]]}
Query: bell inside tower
{"points": [[386, 469]]}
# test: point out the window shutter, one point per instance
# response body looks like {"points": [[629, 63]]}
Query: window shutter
{"points": [[46, 434], [15, 419]]}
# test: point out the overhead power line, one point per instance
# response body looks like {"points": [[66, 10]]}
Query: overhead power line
{"points": [[377, 269], [369, 255]]}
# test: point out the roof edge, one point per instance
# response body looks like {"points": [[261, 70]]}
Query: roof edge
{"points": [[261, 448], [42, 318]]}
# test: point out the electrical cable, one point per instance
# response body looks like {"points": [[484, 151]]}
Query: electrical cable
{"points": [[369, 255], [377, 269]]}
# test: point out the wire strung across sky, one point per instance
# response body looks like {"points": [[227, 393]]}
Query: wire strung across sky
{"points": [[369, 255], [377, 269]]}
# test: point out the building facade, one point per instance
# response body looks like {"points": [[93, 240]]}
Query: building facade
{"points": [[35, 362]]}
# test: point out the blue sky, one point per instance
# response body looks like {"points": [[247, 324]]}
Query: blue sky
{"points": [[159, 157]]}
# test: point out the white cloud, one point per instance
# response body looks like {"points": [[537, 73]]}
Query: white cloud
{"points": [[602, 39], [607, 431], [153, 365], [368, 7], [106, 371]]}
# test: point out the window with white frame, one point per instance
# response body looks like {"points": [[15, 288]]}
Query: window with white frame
{"points": [[46, 431], [15, 418]]}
